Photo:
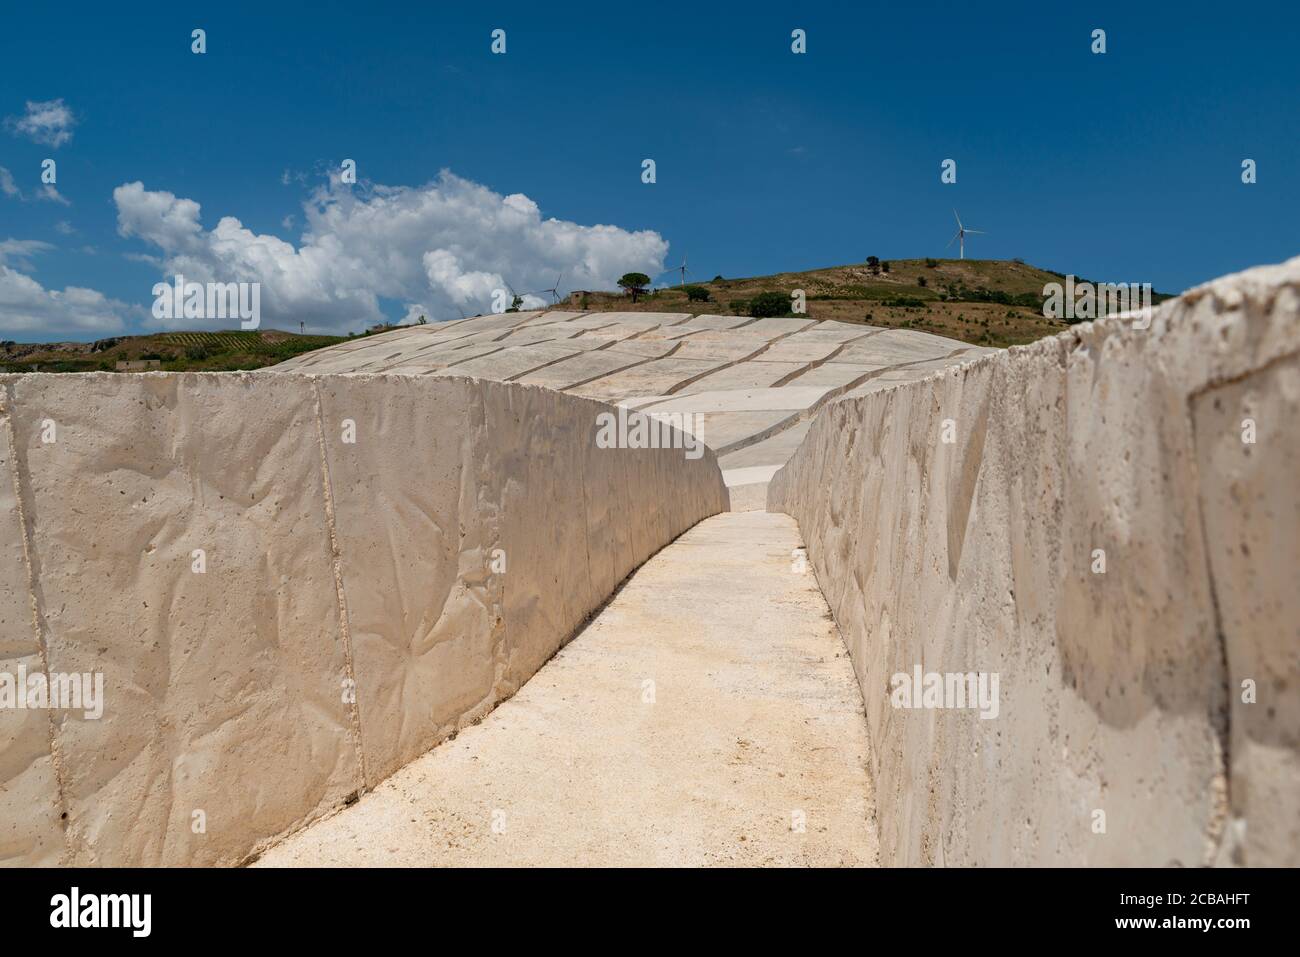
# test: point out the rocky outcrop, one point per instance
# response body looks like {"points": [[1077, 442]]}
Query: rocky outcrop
{"points": [[1108, 521]]}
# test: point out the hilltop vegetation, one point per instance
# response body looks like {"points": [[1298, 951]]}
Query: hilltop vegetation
{"points": [[981, 301], [175, 351]]}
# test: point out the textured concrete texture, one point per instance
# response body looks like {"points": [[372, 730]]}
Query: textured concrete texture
{"points": [[1148, 706], [736, 741], [756, 382], [383, 559]]}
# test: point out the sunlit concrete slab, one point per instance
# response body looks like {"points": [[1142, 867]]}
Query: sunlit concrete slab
{"points": [[876, 349], [774, 450], [727, 431], [646, 320], [740, 348], [778, 327], [583, 367], [656, 377], [512, 362], [748, 475], [832, 331], [835, 374], [795, 349], [433, 361], [708, 321], [647, 348], [741, 400], [737, 344], [747, 375]]}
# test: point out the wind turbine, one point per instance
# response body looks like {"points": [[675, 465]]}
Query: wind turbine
{"points": [[555, 290], [960, 236], [514, 296], [683, 269]]}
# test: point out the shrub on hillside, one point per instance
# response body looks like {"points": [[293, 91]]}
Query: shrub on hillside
{"points": [[768, 304], [697, 294]]}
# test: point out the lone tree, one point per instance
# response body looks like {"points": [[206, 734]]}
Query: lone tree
{"points": [[697, 294], [873, 263], [634, 283]]}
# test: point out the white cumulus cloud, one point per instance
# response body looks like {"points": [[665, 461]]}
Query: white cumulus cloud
{"points": [[28, 309], [438, 249], [49, 122]]}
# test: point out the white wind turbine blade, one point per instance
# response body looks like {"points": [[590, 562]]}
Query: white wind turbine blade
{"points": [[958, 218], [955, 237], [980, 231]]}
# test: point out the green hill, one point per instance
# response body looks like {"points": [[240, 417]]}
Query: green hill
{"points": [[983, 301], [174, 351]]}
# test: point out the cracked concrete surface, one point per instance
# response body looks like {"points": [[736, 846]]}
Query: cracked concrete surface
{"points": [[385, 558]]}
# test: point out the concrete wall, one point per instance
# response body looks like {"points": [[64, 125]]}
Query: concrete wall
{"points": [[349, 616], [1120, 692]]}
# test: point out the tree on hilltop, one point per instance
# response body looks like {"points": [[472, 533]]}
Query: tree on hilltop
{"points": [[634, 283]]}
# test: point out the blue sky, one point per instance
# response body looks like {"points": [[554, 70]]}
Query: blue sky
{"points": [[1122, 166]]}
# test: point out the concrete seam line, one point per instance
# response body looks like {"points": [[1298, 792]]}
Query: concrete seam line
{"points": [[589, 379], [22, 493], [1221, 381], [815, 363], [480, 476], [586, 518], [708, 372], [336, 562], [520, 375], [1217, 827]]}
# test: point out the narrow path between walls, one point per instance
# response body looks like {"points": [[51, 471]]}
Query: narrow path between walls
{"points": [[708, 715]]}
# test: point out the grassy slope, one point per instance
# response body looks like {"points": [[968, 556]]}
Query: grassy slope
{"points": [[949, 298], [179, 351]]}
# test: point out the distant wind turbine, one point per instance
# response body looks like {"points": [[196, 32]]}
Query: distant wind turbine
{"points": [[555, 290], [960, 236], [682, 268]]}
